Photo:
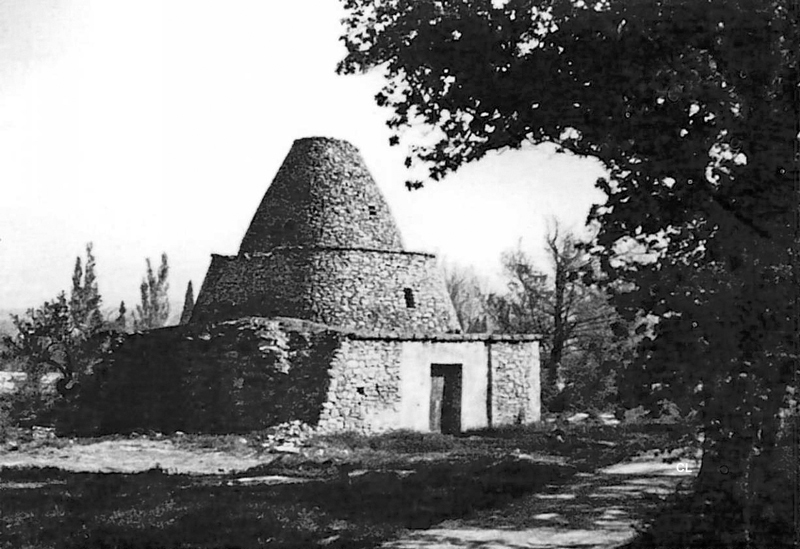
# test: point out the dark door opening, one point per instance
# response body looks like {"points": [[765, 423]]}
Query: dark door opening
{"points": [[445, 398]]}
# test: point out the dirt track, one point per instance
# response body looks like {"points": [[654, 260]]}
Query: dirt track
{"points": [[131, 456], [592, 511]]}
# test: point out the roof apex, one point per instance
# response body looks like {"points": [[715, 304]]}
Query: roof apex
{"points": [[322, 196]]}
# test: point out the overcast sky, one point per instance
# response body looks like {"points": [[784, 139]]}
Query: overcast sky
{"points": [[156, 125]]}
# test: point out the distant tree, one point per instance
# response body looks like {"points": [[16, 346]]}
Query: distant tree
{"points": [[47, 341], [153, 312], [569, 298], [84, 301], [523, 307], [44, 336], [188, 304], [573, 316], [468, 297], [62, 336], [121, 322]]}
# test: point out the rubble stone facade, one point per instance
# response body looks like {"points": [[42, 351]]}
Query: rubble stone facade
{"points": [[381, 382], [322, 317], [353, 288], [323, 246]]}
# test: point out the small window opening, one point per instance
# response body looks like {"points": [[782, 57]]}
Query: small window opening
{"points": [[373, 211], [409, 295], [361, 391]]}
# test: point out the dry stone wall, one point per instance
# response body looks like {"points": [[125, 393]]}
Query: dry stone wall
{"points": [[231, 377], [515, 383], [364, 390], [351, 288]]}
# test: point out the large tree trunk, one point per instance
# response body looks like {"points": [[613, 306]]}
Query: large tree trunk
{"points": [[738, 486], [559, 325], [720, 487]]}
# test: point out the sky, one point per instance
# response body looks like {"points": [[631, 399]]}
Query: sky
{"points": [[150, 126]]}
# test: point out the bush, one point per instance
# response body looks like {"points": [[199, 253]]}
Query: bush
{"points": [[31, 402]]}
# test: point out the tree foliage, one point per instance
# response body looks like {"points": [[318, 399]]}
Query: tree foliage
{"points": [[85, 300], [573, 316], [153, 311], [692, 105], [52, 338], [62, 337], [468, 296], [120, 323]]}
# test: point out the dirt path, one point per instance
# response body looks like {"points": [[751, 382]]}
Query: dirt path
{"points": [[132, 456], [594, 510]]}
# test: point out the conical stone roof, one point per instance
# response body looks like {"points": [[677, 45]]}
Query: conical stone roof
{"points": [[323, 247], [322, 196]]}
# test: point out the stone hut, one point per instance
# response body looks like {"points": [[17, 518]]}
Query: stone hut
{"points": [[323, 246], [324, 317]]}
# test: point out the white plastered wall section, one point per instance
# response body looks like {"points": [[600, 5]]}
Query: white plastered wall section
{"points": [[535, 386], [416, 358]]}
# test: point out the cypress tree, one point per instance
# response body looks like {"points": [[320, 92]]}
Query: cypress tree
{"points": [[84, 302], [121, 323], [188, 304], [153, 311]]}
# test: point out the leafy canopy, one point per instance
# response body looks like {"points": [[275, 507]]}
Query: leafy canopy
{"points": [[693, 107]]}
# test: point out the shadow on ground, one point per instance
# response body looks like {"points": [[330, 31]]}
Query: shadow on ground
{"points": [[594, 510], [51, 508]]}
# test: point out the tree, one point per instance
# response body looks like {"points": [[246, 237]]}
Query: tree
{"points": [[468, 298], [84, 301], [153, 312], [48, 341], [53, 337], [692, 106], [63, 337], [121, 322], [188, 304], [45, 338], [573, 317], [568, 295]]}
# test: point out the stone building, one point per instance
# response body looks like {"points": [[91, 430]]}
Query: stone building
{"points": [[323, 316], [323, 246]]}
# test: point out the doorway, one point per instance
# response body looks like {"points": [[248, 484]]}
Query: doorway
{"points": [[445, 415]]}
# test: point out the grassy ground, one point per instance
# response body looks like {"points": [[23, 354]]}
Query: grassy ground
{"points": [[350, 490]]}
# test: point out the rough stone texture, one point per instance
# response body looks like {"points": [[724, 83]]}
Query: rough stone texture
{"points": [[515, 389], [322, 196], [364, 391], [323, 246], [351, 288], [378, 384], [253, 373], [231, 377]]}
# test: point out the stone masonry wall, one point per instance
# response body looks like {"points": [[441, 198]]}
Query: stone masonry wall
{"points": [[230, 377], [364, 388], [357, 289], [322, 196], [515, 383]]}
